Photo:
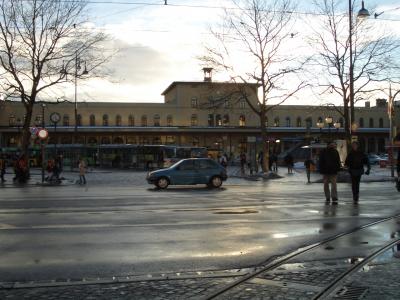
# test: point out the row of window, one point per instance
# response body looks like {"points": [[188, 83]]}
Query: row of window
{"points": [[227, 104], [213, 120]]}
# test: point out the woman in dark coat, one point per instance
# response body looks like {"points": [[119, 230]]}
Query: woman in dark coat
{"points": [[355, 162]]}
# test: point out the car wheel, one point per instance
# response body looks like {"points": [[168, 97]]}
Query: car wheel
{"points": [[215, 182], [162, 182]]}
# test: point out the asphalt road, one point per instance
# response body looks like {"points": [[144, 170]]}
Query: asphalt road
{"points": [[114, 227]]}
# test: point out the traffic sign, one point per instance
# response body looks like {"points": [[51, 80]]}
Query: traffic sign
{"points": [[43, 134]]}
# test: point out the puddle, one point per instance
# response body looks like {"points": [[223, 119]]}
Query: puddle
{"points": [[237, 212]]}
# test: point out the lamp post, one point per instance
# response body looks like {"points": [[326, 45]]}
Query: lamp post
{"points": [[76, 74], [55, 118], [362, 14], [42, 140]]}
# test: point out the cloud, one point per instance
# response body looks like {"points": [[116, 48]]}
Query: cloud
{"points": [[138, 64]]}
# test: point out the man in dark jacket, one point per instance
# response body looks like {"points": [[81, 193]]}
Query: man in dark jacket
{"points": [[355, 162], [329, 166]]}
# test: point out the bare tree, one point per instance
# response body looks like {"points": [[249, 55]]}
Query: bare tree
{"points": [[369, 46], [39, 43], [251, 47]]}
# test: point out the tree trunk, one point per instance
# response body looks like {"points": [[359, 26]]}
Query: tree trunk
{"points": [[26, 133], [347, 124], [264, 137]]}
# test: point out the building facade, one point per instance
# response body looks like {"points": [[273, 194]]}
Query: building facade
{"points": [[201, 113]]}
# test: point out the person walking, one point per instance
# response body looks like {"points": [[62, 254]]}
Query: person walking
{"points": [[274, 159], [355, 162], [329, 166], [289, 163], [308, 163], [3, 166], [82, 171], [243, 163]]}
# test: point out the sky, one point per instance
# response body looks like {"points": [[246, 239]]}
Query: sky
{"points": [[159, 44]]}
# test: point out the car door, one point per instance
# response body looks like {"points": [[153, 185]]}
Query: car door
{"points": [[205, 170], [185, 173]]}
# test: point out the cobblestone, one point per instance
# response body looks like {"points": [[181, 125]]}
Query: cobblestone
{"points": [[381, 278], [166, 289]]}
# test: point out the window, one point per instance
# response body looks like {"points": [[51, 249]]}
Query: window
{"points": [[193, 120], [105, 140], [118, 120], [309, 122], [118, 140], [144, 121], [226, 120], [92, 120], [156, 120], [92, 140], [131, 121], [298, 122], [371, 123], [242, 103], [105, 120], [380, 123], [170, 139], [79, 120], [194, 103], [196, 141], [38, 120], [211, 120], [11, 120], [186, 165], [218, 120], [156, 140], [242, 121], [227, 104], [361, 123], [288, 122], [169, 120], [206, 164], [65, 120], [276, 122]]}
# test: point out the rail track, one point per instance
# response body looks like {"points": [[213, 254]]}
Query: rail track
{"points": [[327, 290]]}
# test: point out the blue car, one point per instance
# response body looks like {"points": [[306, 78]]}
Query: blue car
{"points": [[188, 172]]}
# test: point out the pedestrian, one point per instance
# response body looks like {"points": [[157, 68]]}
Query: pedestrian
{"points": [[355, 162], [260, 160], [289, 161], [243, 163], [329, 166], [3, 165], [274, 159], [309, 163], [223, 160], [82, 171]]}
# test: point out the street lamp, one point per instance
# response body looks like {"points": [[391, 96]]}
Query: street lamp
{"points": [[320, 125], [42, 140], [362, 14], [337, 125], [77, 73]]}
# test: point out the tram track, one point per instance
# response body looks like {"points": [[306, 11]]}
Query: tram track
{"points": [[287, 258]]}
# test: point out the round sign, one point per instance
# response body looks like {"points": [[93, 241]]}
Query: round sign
{"points": [[55, 117], [43, 134]]}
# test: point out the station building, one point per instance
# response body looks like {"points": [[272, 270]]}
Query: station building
{"points": [[198, 113]]}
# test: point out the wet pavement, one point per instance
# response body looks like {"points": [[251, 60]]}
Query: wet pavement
{"points": [[118, 226]]}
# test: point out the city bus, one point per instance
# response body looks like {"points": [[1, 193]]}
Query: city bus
{"points": [[145, 156]]}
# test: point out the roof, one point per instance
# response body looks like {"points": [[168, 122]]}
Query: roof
{"points": [[175, 83]]}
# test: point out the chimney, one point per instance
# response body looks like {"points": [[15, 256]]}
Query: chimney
{"points": [[207, 74], [367, 104]]}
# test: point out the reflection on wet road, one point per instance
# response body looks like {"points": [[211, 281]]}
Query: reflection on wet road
{"points": [[75, 232]]}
